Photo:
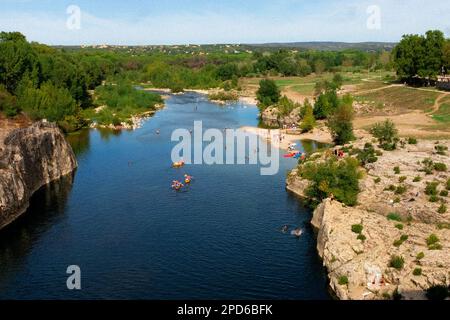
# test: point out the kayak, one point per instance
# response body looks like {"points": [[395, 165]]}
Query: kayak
{"points": [[292, 154]]}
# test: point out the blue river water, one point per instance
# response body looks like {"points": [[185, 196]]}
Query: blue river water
{"points": [[135, 238]]}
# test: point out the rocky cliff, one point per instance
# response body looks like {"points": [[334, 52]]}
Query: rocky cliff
{"points": [[274, 118], [29, 159], [404, 225]]}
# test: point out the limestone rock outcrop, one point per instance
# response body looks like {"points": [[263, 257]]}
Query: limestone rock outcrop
{"points": [[29, 159]]}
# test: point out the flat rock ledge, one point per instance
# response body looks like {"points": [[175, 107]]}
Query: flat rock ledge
{"points": [[30, 158]]}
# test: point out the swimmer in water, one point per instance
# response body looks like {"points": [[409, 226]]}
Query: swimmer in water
{"points": [[285, 228]]}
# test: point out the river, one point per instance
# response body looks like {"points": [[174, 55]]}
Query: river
{"points": [[135, 238]]}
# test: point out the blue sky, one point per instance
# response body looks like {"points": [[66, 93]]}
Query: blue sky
{"points": [[228, 21]]}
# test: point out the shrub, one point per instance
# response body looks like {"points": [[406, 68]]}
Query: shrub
{"points": [[444, 193], [268, 93], [377, 180], [397, 200], [340, 122], [417, 272], [420, 256], [397, 170], [394, 217], [400, 189], [442, 209], [343, 280], [439, 292], [308, 122], [357, 228], [433, 199], [398, 243], [333, 177], [412, 140], [397, 262], [432, 239], [390, 188], [367, 155], [431, 188], [440, 167], [447, 186], [361, 237], [440, 149], [399, 226], [428, 166], [386, 133], [402, 179], [417, 179]]}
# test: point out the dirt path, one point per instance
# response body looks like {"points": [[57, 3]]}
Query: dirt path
{"points": [[437, 103]]}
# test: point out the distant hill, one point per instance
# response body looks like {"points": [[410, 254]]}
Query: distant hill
{"points": [[330, 46]]}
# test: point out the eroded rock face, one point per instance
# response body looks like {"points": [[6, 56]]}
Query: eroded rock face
{"points": [[273, 117], [31, 158], [366, 262]]}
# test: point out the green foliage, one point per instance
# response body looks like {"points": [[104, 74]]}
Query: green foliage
{"points": [[398, 243], [397, 262], [340, 121], [417, 179], [394, 217], [433, 198], [447, 185], [386, 133], [420, 256], [8, 103], [397, 170], [428, 166], [443, 193], [401, 189], [421, 56], [417, 272], [343, 280], [442, 209], [437, 293], [268, 93], [412, 140], [440, 167], [48, 102], [326, 104], [223, 96], [377, 180], [433, 242], [399, 226], [357, 228], [441, 150], [361, 237], [431, 188], [402, 179], [332, 177], [308, 122]]}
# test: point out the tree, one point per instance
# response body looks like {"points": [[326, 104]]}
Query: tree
{"points": [[386, 133], [268, 93], [308, 122], [48, 102], [8, 103], [340, 122], [325, 104]]}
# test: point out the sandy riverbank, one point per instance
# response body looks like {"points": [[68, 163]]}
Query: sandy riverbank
{"points": [[273, 135]]}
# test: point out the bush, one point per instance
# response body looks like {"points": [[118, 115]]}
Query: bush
{"points": [[397, 170], [417, 179], [308, 122], [433, 199], [268, 93], [397, 262], [8, 103], [377, 180], [399, 226], [440, 292], [343, 280], [428, 166], [447, 185], [420, 256], [417, 272], [361, 237], [400, 190], [441, 150], [357, 228], [223, 96], [402, 179], [333, 178], [412, 140], [391, 188], [398, 243], [432, 241], [431, 188], [444, 193], [394, 217], [340, 122], [442, 209], [440, 167], [386, 133], [367, 155]]}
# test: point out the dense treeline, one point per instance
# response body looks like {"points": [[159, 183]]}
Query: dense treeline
{"points": [[422, 56]]}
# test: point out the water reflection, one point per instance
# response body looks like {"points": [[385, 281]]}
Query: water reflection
{"points": [[80, 141], [47, 206]]}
